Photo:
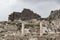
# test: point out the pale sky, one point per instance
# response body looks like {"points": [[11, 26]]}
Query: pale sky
{"points": [[41, 7]]}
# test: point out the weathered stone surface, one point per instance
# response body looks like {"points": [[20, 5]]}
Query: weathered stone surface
{"points": [[54, 15], [26, 14], [11, 30]]}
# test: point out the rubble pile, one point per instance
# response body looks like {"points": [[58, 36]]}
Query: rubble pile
{"points": [[27, 25]]}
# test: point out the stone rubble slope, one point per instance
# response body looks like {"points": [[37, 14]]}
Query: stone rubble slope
{"points": [[34, 27]]}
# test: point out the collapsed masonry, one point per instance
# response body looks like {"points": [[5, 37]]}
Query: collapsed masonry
{"points": [[49, 26], [28, 25]]}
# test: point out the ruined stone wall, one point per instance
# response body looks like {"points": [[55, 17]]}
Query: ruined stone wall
{"points": [[50, 26]]}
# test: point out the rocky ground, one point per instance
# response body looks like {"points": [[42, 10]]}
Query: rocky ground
{"points": [[11, 32], [49, 27]]}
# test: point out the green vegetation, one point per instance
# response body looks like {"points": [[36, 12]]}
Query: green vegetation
{"points": [[9, 23]]}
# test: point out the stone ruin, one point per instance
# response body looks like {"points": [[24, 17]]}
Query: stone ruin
{"points": [[27, 25]]}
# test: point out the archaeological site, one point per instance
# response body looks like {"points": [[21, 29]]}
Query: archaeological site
{"points": [[28, 25]]}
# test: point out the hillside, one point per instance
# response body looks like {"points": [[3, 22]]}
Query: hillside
{"points": [[26, 14]]}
